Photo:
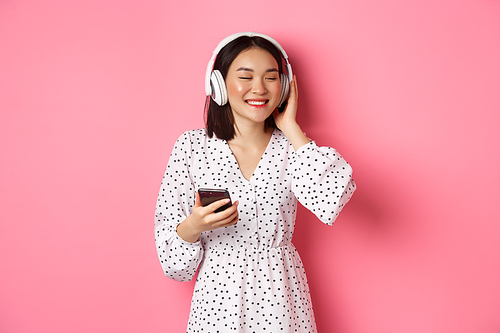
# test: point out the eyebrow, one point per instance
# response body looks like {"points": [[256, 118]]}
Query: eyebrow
{"points": [[246, 69]]}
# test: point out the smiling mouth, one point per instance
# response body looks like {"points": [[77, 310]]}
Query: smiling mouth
{"points": [[257, 103]]}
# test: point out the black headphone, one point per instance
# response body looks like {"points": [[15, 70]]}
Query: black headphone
{"points": [[214, 81]]}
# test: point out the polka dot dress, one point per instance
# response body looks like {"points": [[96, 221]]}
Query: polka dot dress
{"points": [[250, 276]]}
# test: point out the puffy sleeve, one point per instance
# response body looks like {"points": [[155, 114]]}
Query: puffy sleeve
{"points": [[179, 259], [321, 180]]}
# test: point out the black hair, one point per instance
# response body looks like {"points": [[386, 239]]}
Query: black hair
{"points": [[219, 120]]}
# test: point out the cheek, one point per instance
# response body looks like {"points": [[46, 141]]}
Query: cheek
{"points": [[277, 88], [234, 88]]}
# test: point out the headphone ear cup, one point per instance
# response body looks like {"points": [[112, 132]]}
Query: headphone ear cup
{"points": [[219, 91], [285, 89]]}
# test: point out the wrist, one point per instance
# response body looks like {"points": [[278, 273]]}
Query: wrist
{"points": [[295, 135], [187, 231]]}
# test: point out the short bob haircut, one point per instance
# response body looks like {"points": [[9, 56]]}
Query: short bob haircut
{"points": [[219, 120]]}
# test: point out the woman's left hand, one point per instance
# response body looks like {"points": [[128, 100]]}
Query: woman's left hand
{"points": [[286, 121], [287, 118]]}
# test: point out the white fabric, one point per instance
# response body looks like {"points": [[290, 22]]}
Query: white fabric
{"points": [[250, 278]]}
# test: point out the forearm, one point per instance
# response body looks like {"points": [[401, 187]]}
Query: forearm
{"points": [[179, 259], [325, 186]]}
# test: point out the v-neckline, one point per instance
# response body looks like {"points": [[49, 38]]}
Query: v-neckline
{"points": [[235, 160]]}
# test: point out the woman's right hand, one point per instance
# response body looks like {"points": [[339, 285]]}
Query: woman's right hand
{"points": [[205, 219]]}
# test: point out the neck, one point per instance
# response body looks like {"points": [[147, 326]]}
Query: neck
{"points": [[251, 135]]}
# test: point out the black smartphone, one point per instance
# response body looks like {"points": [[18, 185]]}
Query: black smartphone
{"points": [[209, 195]]}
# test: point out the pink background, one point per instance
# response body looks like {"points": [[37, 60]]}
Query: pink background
{"points": [[94, 93]]}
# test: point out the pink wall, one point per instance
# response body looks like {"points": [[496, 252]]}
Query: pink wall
{"points": [[94, 93]]}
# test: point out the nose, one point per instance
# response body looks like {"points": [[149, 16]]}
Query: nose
{"points": [[259, 87]]}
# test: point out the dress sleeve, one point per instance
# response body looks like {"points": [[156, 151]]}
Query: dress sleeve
{"points": [[321, 180], [179, 259]]}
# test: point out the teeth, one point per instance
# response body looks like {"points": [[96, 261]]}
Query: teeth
{"points": [[256, 102]]}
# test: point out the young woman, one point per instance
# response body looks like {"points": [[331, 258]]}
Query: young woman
{"points": [[250, 276]]}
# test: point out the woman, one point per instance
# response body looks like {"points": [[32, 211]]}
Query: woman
{"points": [[250, 276]]}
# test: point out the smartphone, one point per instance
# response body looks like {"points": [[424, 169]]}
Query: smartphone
{"points": [[209, 195]]}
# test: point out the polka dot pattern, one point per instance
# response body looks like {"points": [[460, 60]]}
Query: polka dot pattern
{"points": [[250, 276]]}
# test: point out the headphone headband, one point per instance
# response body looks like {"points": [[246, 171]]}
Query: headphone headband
{"points": [[229, 39]]}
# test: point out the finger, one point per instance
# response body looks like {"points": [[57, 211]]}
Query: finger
{"points": [[217, 204], [293, 89], [197, 202], [231, 220], [227, 212]]}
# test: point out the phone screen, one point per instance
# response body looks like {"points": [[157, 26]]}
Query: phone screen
{"points": [[208, 195]]}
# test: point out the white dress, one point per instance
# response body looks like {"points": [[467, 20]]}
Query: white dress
{"points": [[250, 278]]}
